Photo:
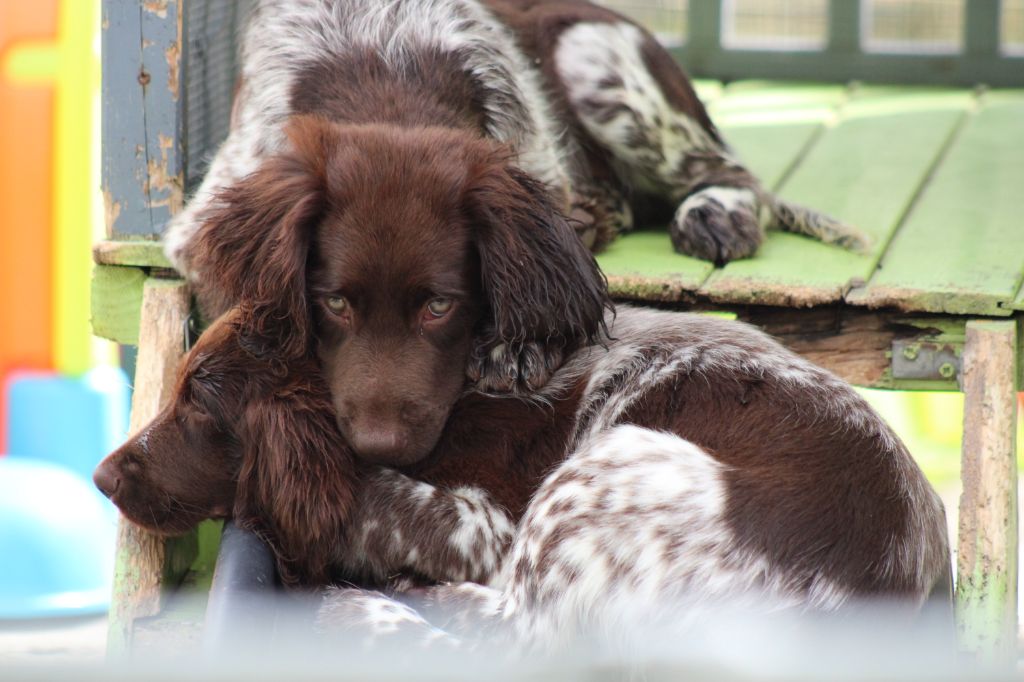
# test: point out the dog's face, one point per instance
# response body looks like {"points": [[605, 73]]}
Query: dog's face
{"points": [[183, 466], [395, 294], [409, 258]]}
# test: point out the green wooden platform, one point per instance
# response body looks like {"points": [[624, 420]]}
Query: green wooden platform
{"points": [[934, 176]]}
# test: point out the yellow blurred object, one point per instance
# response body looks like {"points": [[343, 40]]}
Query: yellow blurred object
{"points": [[75, 182]]}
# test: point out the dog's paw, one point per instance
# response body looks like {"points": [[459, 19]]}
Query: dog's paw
{"points": [[599, 217], [503, 368], [718, 224]]}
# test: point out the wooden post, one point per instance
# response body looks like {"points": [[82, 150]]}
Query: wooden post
{"points": [[143, 115], [986, 591], [141, 556]]}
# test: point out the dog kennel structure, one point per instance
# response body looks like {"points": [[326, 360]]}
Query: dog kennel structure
{"points": [[933, 174]]}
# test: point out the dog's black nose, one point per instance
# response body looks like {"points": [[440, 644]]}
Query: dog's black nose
{"points": [[106, 479]]}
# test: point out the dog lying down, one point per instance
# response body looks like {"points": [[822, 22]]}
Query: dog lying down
{"points": [[689, 459]]}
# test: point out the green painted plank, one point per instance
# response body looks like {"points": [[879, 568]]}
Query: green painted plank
{"points": [[770, 125], [643, 265], [117, 302], [865, 170], [962, 248]]}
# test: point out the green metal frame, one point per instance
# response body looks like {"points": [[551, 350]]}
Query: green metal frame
{"points": [[844, 59]]}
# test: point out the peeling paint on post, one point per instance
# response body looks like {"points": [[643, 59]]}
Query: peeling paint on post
{"points": [[143, 116]]}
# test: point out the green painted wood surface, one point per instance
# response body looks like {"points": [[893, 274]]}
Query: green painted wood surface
{"points": [[866, 171], [117, 302], [770, 125], [643, 265], [962, 248]]}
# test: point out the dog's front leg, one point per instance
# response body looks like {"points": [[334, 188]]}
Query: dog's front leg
{"points": [[400, 524]]}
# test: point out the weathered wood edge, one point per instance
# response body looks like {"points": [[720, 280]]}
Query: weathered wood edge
{"points": [[139, 252], [918, 300], [662, 290], [986, 591], [653, 289]]}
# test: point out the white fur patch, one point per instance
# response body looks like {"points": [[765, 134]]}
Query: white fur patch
{"points": [[372, 619], [621, 105], [730, 198], [645, 509]]}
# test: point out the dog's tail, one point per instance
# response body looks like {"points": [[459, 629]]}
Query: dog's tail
{"points": [[790, 217]]}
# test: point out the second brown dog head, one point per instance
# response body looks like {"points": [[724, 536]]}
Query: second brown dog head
{"points": [[245, 438]]}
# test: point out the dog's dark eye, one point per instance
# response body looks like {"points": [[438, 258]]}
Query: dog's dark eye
{"points": [[439, 307], [337, 304]]}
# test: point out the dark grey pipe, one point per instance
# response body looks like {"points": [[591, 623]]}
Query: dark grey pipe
{"points": [[241, 608]]}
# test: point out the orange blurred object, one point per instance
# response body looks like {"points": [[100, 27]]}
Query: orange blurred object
{"points": [[26, 187]]}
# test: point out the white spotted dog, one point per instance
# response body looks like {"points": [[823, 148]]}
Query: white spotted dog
{"points": [[579, 98], [631, 100], [703, 464]]}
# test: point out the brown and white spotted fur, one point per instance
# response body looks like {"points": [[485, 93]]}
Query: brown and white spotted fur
{"points": [[690, 459], [706, 466], [581, 98]]}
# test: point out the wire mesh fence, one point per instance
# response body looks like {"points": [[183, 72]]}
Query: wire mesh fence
{"points": [[212, 30], [888, 26], [913, 26], [775, 24], [666, 19], [1011, 27]]}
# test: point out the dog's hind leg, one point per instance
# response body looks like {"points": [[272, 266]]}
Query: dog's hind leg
{"points": [[629, 527], [634, 102]]}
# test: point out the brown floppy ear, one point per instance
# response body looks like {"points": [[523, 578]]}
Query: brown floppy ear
{"points": [[252, 245], [541, 284], [296, 486]]}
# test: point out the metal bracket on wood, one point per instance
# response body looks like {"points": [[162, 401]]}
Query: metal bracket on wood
{"points": [[925, 360]]}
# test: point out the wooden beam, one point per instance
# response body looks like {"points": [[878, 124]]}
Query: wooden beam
{"points": [[143, 559], [986, 591], [857, 344]]}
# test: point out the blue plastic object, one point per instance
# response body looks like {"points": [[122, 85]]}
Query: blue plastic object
{"points": [[57, 538], [74, 422]]}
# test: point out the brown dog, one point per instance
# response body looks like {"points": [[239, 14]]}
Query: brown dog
{"points": [[691, 455]]}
